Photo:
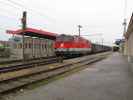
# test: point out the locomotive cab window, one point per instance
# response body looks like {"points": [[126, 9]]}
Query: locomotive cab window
{"points": [[64, 38]]}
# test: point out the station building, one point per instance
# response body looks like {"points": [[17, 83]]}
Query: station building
{"points": [[128, 46], [37, 43]]}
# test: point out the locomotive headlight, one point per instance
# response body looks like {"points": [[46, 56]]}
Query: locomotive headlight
{"points": [[62, 44]]}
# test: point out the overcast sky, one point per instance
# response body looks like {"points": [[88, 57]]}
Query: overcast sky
{"points": [[99, 18]]}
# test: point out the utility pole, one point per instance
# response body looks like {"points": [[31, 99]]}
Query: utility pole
{"points": [[24, 25], [125, 25], [102, 41], [79, 27], [125, 45], [125, 20]]}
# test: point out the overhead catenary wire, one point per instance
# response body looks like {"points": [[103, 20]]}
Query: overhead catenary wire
{"points": [[4, 13], [20, 7], [9, 4], [125, 8], [31, 10], [7, 11]]}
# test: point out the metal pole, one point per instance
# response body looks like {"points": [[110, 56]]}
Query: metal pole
{"points": [[125, 25], [125, 21], [79, 27], [23, 28], [40, 50], [23, 46], [79, 30], [102, 42], [32, 47]]}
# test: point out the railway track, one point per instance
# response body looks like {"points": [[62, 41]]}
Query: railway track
{"points": [[28, 64], [20, 61], [18, 78]]}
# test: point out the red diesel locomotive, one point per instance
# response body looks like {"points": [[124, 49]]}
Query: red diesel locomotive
{"points": [[67, 45]]}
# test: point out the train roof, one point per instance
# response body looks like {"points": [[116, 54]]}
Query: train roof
{"points": [[74, 36], [34, 33]]}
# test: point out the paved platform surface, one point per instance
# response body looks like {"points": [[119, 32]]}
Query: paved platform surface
{"points": [[109, 79]]}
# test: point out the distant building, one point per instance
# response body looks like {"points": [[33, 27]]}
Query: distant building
{"points": [[4, 49], [5, 43], [119, 41], [36, 44]]}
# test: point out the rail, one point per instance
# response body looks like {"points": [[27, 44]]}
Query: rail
{"points": [[44, 72]]}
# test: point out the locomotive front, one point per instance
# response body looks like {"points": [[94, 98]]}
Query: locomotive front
{"points": [[63, 44], [66, 45]]}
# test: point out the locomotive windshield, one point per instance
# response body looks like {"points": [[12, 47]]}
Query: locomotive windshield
{"points": [[64, 38]]}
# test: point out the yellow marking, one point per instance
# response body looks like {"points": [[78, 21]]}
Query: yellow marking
{"points": [[51, 67]]}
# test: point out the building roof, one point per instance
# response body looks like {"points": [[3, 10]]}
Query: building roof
{"points": [[34, 33]]}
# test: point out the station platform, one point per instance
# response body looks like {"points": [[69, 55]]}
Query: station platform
{"points": [[109, 79]]}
